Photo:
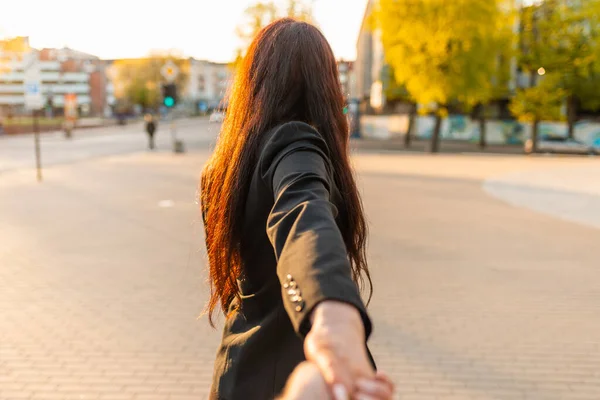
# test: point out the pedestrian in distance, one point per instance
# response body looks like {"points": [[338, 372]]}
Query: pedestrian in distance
{"points": [[150, 129], [285, 227]]}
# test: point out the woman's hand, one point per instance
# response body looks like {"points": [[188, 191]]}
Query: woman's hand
{"points": [[336, 344]]}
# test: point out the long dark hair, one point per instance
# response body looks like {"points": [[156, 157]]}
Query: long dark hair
{"points": [[288, 74]]}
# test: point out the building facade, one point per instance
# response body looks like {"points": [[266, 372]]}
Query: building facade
{"points": [[370, 61], [207, 84], [347, 77], [63, 71]]}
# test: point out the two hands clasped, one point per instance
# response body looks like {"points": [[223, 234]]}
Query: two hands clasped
{"points": [[338, 366]]}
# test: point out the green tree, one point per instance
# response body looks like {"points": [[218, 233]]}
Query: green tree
{"points": [[564, 40], [394, 91], [446, 52], [536, 103]]}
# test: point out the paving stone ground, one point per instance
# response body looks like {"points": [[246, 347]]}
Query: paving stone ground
{"points": [[102, 283]]}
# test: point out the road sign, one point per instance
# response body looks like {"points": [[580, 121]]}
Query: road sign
{"points": [[169, 71], [32, 82]]}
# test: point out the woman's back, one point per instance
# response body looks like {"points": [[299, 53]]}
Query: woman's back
{"points": [[290, 211], [260, 348], [281, 240]]}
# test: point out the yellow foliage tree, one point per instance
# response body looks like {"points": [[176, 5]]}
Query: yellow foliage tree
{"points": [[447, 52], [17, 44], [256, 17]]}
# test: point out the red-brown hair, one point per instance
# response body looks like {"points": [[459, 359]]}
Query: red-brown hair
{"points": [[288, 74]]}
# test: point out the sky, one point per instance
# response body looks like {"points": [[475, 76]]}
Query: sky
{"points": [[204, 29]]}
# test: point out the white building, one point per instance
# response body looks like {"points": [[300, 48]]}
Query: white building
{"points": [[63, 71], [208, 83], [370, 60]]}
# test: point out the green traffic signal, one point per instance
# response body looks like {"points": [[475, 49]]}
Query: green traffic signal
{"points": [[169, 92]]}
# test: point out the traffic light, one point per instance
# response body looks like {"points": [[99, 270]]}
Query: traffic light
{"points": [[169, 94]]}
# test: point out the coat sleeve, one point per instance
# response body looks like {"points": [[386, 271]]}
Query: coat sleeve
{"points": [[312, 261]]}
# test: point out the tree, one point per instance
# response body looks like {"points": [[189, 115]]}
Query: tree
{"points": [[256, 17], [566, 46], [139, 80], [262, 13], [17, 44], [445, 52], [536, 103], [301, 10], [394, 91]]}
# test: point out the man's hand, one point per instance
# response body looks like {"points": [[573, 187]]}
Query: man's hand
{"points": [[306, 383], [336, 344]]}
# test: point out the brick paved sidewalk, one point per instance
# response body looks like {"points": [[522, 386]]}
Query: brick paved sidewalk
{"points": [[101, 287]]}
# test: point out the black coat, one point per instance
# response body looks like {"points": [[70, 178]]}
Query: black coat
{"points": [[294, 257]]}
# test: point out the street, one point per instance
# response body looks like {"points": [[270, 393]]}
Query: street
{"points": [[485, 268], [17, 152]]}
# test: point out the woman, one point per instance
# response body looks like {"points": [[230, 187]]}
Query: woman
{"points": [[285, 230]]}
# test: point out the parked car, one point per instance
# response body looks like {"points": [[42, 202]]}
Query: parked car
{"points": [[559, 144], [217, 116]]}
